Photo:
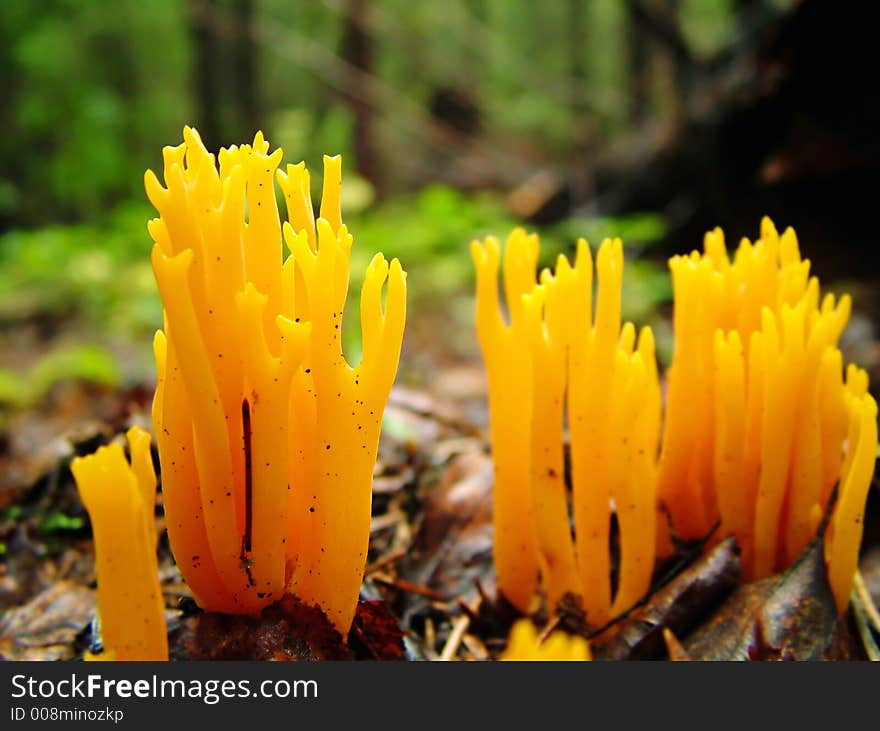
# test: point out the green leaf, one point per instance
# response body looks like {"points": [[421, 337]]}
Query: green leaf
{"points": [[79, 363], [56, 522], [13, 388]]}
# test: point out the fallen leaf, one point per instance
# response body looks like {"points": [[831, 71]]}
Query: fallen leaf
{"points": [[798, 620], [454, 543], [678, 606], [721, 636], [47, 626], [787, 617]]}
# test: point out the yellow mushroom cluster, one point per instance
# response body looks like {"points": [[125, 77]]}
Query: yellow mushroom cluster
{"points": [[267, 436], [760, 421], [120, 498], [556, 361]]}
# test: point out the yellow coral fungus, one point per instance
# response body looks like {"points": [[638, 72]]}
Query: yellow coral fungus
{"points": [[759, 422], [120, 499], [569, 362], [713, 293], [267, 436], [757, 410], [525, 644]]}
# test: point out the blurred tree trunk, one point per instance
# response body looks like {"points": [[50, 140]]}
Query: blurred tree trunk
{"points": [[358, 53], [576, 58], [679, 64], [638, 39], [225, 76], [246, 77], [206, 71], [654, 30], [748, 15], [12, 164], [581, 181]]}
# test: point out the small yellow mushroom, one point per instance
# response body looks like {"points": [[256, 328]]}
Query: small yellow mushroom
{"points": [[120, 499], [525, 644]]}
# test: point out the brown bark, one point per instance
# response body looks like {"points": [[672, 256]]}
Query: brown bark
{"points": [[358, 53], [206, 72]]}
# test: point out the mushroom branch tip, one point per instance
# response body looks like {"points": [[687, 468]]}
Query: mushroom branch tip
{"points": [[267, 435]]}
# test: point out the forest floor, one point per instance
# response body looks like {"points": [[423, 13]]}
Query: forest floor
{"points": [[430, 560], [429, 590]]}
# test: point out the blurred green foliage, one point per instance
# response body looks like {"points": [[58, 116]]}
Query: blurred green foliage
{"points": [[97, 278], [87, 94], [430, 232], [92, 91], [87, 363], [58, 522], [101, 270]]}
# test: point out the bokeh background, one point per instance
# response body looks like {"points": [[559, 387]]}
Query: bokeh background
{"points": [[654, 120]]}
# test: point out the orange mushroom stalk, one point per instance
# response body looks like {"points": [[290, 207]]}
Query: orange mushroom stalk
{"points": [[844, 533], [120, 499], [267, 436], [591, 371], [509, 373]]}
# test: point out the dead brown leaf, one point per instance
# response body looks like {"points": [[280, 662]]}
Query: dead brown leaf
{"points": [[788, 617], [47, 626], [454, 543], [678, 606]]}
